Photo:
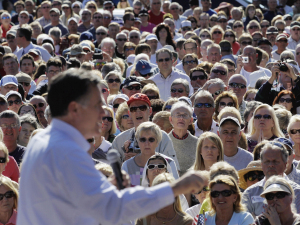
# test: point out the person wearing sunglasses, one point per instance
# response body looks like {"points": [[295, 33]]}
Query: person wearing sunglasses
{"points": [[281, 43], [5, 23], [287, 99], [293, 130], [131, 86], [109, 127], [123, 118], [250, 175], [14, 100], [179, 88], [219, 70], [225, 202], [198, 78], [217, 33], [128, 19], [279, 195], [223, 100], [86, 17], [238, 28], [114, 80], [26, 81]]}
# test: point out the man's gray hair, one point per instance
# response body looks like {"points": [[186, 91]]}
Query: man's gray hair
{"points": [[182, 104], [213, 46], [217, 81], [108, 40], [174, 3], [10, 114], [205, 94], [184, 82], [109, 67], [163, 50], [55, 31], [116, 73], [239, 76], [30, 119], [102, 28], [137, 3], [272, 145], [135, 32]]}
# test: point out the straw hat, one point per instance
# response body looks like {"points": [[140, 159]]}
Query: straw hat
{"points": [[252, 166]]}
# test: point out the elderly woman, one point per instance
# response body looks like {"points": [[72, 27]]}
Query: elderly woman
{"points": [[114, 80], [28, 125], [108, 124], [263, 125], [225, 202], [8, 165], [8, 208], [293, 130], [217, 34], [279, 196], [251, 174], [287, 99], [230, 36], [204, 34], [151, 90], [180, 87], [123, 118], [248, 113], [162, 120], [238, 28], [184, 143], [209, 151], [225, 99]]}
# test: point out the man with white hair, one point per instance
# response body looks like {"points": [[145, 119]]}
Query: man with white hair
{"points": [[203, 48], [134, 37], [156, 16], [214, 53], [54, 17], [86, 16], [174, 10], [55, 34]]}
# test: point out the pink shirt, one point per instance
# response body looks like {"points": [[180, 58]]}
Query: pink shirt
{"points": [[149, 28], [12, 220]]}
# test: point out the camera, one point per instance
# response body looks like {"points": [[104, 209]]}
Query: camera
{"points": [[245, 59], [98, 56], [133, 147], [283, 67]]}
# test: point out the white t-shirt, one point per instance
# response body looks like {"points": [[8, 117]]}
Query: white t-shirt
{"points": [[247, 74], [242, 218]]}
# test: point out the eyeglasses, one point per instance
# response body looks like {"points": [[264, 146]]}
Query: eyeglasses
{"points": [[156, 3], [46, 7], [213, 20], [165, 59], [86, 50], [129, 49], [295, 131], [206, 105], [8, 194], [143, 140], [237, 26], [222, 21], [158, 166], [223, 104], [10, 37], [228, 35], [264, 26], [284, 41], [106, 17], [130, 88], [253, 175], [278, 195], [40, 105], [266, 116], [65, 8], [104, 90], [108, 118], [280, 30], [224, 193], [117, 80], [76, 7], [205, 189], [16, 102], [287, 100], [116, 106], [134, 37], [183, 116], [174, 90], [246, 43], [216, 93], [294, 29], [256, 40], [5, 126], [217, 32], [237, 85], [153, 97], [24, 84], [125, 117], [5, 17], [200, 77], [253, 27], [141, 107], [101, 33], [120, 39], [189, 62], [219, 71]]}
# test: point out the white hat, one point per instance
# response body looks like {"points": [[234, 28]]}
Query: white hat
{"points": [[120, 96], [151, 37], [72, 19], [85, 45], [186, 23], [9, 79], [130, 58], [10, 93]]}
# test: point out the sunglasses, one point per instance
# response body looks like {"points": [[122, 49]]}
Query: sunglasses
{"points": [[91, 7], [8, 194], [213, 20], [108, 118], [98, 17], [282, 41], [125, 117], [219, 71], [116, 106], [117, 80], [206, 105], [237, 85], [158, 166], [253, 27], [224, 193], [17, 102], [24, 84], [153, 97], [222, 21], [5, 17], [76, 7], [134, 36], [104, 90], [2, 102], [2, 160], [228, 35], [186, 28], [288, 18], [217, 32], [246, 43], [200, 77], [143, 140], [278, 195], [146, 75], [174, 90], [287, 100], [264, 26], [101, 33], [122, 39], [223, 104], [129, 49], [252, 176], [205, 189], [294, 131], [166, 60], [266, 116], [237, 26], [142, 108], [130, 88], [189, 62], [205, 36], [168, 107], [216, 93], [108, 7]]}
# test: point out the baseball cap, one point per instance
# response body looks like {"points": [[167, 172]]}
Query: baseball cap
{"points": [[86, 36], [8, 79], [186, 99], [136, 19], [281, 36], [272, 29], [2, 50], [143, 12], [35, 52], [72, 19], [295, 24], [286, 142], [10, 93], [54, 10], [186, 23], [144, 67], [3, 97], [130, 81], [151, 37], [108, 2], [120, 96], [23, 77], [12, 32], [225, 46], [24, 12], [274, 187], [7, 49], [130, 58], [139, 97], [230, 118], [264, 41], [85, 45], [76, 50], [222, 17]]}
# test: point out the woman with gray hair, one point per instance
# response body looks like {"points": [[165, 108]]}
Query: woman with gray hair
{"points": [[114, 80], [180, 87], [215, 87]]}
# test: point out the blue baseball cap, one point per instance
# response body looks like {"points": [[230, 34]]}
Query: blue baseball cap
{"points": [[86, 36], [144, 67], [8, 79], [286, 142]]}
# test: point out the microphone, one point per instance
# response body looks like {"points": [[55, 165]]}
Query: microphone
{"points": [[113, 156]]}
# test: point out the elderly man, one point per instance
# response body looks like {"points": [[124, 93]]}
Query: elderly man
{"points": [[203, 48], [108, 46], [186, 26], [54, 17], [204, 108], [10, 64], [152, 41], [174, 10], [183, 141], [294, 39], [10, 125], [179, 88], [167, 74], [134, 37], [273, 160], [40, 105], [198, 78], [230, 134], [156, 16], [214, 53], [45, 19], [140, 111], [8, 83], [107, 18], [215, 87], [219, 70], [23, 38], [23, 18], [97, 21], [249, 69], [86, 16]]}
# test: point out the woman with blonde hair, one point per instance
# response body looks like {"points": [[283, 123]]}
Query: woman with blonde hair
{"points": [[8, 164], [123, 118], [123, 4], [108, 124], [224, 99], [225, 203], [217, 33], [209, 151], [293, 130], [263, 125], [238, 28], [92, 6], [151, 90]]}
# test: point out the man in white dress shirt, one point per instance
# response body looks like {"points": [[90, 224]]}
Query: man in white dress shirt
{"points": [[167, 74], [23, 38], [59, 180]]}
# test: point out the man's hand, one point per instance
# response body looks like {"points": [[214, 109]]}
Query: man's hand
{"points": [[106, 57], [239, 64], [275, 73], [191, 182], [128, 154], [126, 179], [290, 72]]}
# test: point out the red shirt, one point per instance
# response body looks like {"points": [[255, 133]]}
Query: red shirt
{"points": [[5, 31], [156, 19], [12, 170]]}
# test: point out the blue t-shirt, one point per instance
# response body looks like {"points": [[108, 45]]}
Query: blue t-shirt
{"points": [[211, 12]]}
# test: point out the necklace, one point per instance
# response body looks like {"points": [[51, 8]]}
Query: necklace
{"points": [[164, 222]]}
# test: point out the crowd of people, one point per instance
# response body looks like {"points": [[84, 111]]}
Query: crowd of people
{"points": [[201, 89]]}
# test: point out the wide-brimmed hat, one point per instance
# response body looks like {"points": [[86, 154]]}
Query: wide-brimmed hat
{"points": [[252, 166]]}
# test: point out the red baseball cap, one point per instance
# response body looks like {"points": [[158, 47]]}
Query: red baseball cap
{"points": [[139, 97]]}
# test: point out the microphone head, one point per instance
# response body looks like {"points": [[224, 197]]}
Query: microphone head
{"points": [[113, 156]]}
